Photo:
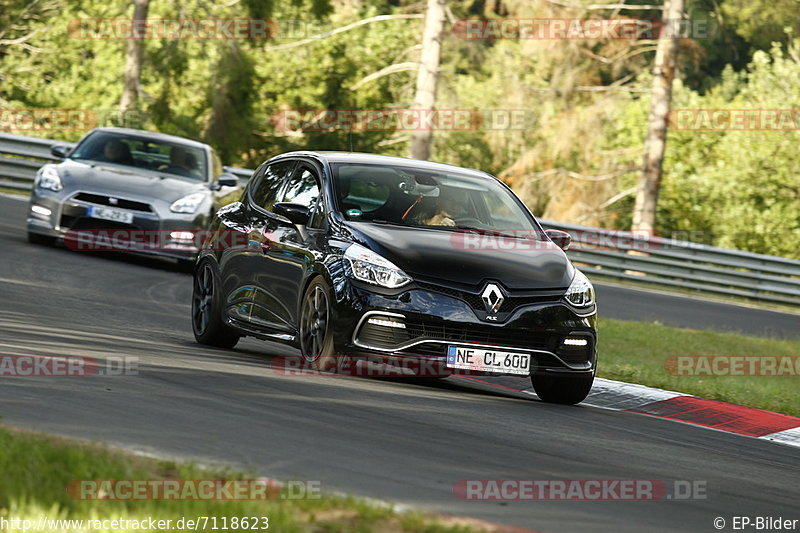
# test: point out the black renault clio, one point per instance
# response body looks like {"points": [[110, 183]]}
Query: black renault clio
{"points": [[384, 258]]}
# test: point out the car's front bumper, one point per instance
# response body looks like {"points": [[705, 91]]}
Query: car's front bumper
{"points": [[150, 232], [434, 320]]}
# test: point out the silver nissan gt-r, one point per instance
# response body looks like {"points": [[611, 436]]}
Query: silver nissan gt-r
{"points": [[140, 191]]}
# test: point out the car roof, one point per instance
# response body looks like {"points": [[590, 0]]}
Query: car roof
{"points": [[152, 135], [365, 158]]}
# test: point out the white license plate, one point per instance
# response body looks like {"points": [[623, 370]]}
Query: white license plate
{"points": [[488, 360], [105, 213]]}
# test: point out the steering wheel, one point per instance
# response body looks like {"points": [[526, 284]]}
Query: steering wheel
{"points": [[469, 221]]}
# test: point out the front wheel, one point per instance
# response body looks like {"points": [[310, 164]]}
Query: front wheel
{"points": [[316, 327], [207, 323], [562, 388]]}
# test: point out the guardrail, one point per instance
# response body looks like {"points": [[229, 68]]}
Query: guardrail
{"points": [[620, 255], [27, 154], [638, 258]]}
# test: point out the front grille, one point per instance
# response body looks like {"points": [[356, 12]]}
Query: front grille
{"points": [[430, 349], [100, 199], [388, 337], [513, 299]]}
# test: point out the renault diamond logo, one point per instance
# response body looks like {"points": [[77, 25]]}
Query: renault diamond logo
{"points": [[113, 201], [492, 298]]}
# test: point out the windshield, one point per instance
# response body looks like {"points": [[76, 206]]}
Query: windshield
{"points": [[141, 152], [413, 197]]}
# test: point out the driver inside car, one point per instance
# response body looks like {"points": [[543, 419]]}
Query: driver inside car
{"points": [[116, 151], [451, 206], [180, 162]]}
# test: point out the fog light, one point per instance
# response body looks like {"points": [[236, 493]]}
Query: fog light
{"points": [[40, 210], [386, 322], [181, 236], [575, 342]]}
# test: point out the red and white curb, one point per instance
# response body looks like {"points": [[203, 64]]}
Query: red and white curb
{"points": [[671, 405], [723, 416]]}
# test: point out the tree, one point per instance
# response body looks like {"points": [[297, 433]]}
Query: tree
{"points": [[428, 76], [644, 210], [133, 60], [762, 22]]}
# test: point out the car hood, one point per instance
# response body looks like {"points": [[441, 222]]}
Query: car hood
{"points": [[123, 182], [444, 255]]}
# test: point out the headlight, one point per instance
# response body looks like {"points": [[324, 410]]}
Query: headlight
{"points": [[368, 266], [581, 291], [188, 204], [47, 178]]}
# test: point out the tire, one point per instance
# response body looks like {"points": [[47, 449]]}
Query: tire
{"points": [[207, 323], [563, 388], [39, 239], [316, 328]]}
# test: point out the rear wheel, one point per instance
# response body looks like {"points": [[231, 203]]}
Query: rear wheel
{"points": [[316, 328], [562, 388], [207, 322]]}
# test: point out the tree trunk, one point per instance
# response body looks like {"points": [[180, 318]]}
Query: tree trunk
{"points": [[428, 77], [133, 61], [644, 211]]}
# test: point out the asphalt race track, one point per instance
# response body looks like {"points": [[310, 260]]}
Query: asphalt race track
{"points": [[406, 442]]}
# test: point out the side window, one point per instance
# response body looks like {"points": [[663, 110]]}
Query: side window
{"points": [[271, 181], [303, 189]]}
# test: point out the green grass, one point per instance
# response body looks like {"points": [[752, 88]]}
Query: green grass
{"points": [[636, 352], [37, 470]]}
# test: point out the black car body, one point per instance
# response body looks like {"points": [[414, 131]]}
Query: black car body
{"points": [[345, 254], [158, 190]]}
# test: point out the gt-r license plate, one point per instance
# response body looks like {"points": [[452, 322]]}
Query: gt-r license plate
{"points": [[105, 213], [488, 360]]}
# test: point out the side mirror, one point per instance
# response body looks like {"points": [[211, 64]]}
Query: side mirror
{"points": [[226, 179], [296, 213], [59, 150], [562, 239]]}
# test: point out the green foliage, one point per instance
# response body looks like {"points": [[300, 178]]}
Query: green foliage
{"points": [[763, 21]]}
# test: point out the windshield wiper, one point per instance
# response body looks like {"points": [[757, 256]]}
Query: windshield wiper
{"points": [[516, 234]]}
